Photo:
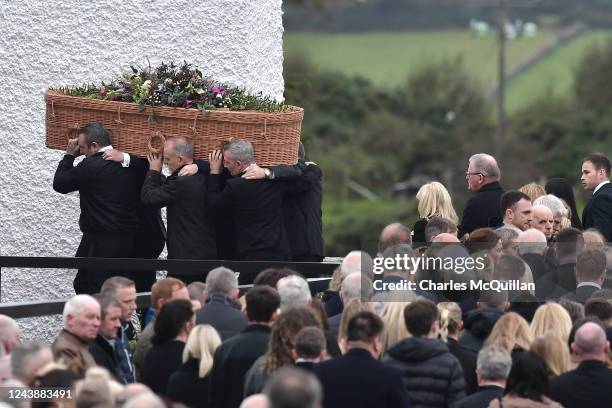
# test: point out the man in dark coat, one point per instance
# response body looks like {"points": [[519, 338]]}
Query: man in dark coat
{"points": [[598, 211], [234, 357], [483, 209], [432, 376], [103, 347], [190, 233], [220, 309], [590, 384], [358, 379], [254, 205], [109, 199], [493, 367], [590, 274]]}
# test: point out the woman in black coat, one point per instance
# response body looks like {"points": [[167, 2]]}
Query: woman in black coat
{"points": [[172, 328], [190, 384]]}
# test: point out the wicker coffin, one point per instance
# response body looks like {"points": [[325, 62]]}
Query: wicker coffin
{"points": [[275, 136]]}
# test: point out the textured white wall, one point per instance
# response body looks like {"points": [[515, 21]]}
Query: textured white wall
{"points": [[71, 42]]}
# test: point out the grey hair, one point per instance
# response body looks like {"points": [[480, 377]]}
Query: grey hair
{"points": [[553, 203], [356, 286], [487, 165], [145, 399], [24, 355], [494, 363], [356, 261], [531, 241], [112, 284], [241, 150], [506, 235], [182, 146], [401, 250], [221, 280], [75, 306], [294, 292], [106, 300], [292, 387]]}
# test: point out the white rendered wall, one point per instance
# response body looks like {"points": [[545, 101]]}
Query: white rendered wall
{"points": [[71, 42]]}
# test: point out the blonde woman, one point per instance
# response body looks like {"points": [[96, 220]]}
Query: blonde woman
{"points": [[191, 381], [555, 351], [434, 200], [395, 328], [512, 333], [551, 318], [533, 190], [451, 324]]}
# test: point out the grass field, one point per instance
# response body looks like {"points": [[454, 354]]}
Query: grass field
{"points": [[388, 58]]}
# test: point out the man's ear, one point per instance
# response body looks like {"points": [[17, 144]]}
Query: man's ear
{"points": [[94, 145]]}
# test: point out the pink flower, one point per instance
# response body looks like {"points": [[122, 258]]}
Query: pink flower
{"points": [[102, 91]]}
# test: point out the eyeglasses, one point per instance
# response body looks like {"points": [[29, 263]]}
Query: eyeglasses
{"points": [[467, 173]]}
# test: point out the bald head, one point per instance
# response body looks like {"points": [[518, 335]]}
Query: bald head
{"points": [[542, 220], [255, 401], [393, 234], [9, 333], [445, 238], [590, 342], [356, 261]]}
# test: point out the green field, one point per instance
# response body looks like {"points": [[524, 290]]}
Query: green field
{"points": [[387, 59]]}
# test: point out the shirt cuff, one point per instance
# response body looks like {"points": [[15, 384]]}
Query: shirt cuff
{"points": [[126, 160]]}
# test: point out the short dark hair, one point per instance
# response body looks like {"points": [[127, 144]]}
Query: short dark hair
{"points": [[419, 316], [570, 241], [293, 388], [600, 308], [509, 267], [364, 326], [309, 342], [95, 132], [510, 198], [271, 276], [438, 225], [591, 264], [171, 319], [599, 162], [105, 300], [261, 303]]}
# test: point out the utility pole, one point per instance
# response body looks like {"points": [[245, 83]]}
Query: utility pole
{"points": [[500, 135]]}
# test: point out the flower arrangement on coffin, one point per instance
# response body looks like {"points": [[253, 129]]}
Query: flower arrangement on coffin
{"points": [[172, 85], [175, 100]]}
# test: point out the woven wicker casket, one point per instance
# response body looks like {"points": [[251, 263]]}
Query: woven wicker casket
{"points": [[275, 135]]}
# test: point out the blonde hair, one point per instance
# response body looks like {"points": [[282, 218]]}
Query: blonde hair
{"points": [[509, 332], [434, 200], [450, 318], [201, 344], [395, 328], [353, 307], [555, 351], [551, 318], [533, 190], [336, 280]]}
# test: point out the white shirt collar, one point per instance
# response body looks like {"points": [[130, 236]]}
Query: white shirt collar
{"points": [[599, 185], [588, 284]]}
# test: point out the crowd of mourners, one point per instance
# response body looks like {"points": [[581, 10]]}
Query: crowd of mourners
{"points": [[544, 342]]}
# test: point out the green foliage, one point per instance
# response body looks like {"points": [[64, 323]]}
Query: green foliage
{"points": [[592, 86], [356, 224]]}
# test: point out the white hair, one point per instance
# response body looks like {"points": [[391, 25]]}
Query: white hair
{"points": [[145, 400], [356, 261], [76, 304], [352, 287], [532, 241], [486, 164], [221, 280], [294, 292], [553, 203]]}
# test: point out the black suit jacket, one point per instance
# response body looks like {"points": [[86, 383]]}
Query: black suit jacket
{"points": [[103, 354], [481, 398], [467, 359], [190, 233], [109, 194], [598, 212], [357, 380], [186, 386], [222, 314], [483, 209], [302, 217], [589, 385], [256, 208], [232, 360], [582, 293]]}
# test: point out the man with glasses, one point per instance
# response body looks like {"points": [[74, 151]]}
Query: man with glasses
{"points": [[483, 208]]}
